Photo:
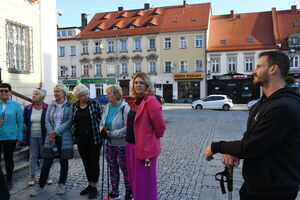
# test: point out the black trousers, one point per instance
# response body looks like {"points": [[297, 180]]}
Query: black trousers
{"points": [[89, 154], [8, 148], [244, 195], [47, 162], [4, 194]]}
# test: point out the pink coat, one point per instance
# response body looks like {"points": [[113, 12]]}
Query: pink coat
{"points": [[149, 126]]}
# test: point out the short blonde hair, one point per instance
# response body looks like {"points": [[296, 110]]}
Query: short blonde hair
{"points": [[80, 88], [116, 90], [62, 88], [148, 84]]}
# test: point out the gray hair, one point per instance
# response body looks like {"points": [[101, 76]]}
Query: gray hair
{"points": [[79, 89], [63, 88], [116, 90], [43, 92]]}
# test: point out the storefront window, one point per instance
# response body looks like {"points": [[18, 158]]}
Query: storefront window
{"points": [[188, 91]]}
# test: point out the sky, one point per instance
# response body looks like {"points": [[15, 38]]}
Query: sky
{"points": [[72, 9]]}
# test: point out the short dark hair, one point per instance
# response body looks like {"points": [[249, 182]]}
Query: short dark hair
{"points": [[278, 58], [5, 85]]}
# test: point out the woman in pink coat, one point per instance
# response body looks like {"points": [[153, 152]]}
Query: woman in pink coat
{"points": [[145, 126]]}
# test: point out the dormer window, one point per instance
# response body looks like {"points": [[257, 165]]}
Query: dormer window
{"points": [[150, 25], [131, 26], [296, 24], [250, 40], [223, 41], [115, 28], [175, 21], [193, 19], [97, 29]]}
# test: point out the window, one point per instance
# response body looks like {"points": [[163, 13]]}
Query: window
{"points": [[137, 45], [97, 47], [70, 33], [73, 71], [183, 66], [249, 64], [124, 68], [152, 67], [64, 33], [183, 42], [231, 64], [85, 48], [85, 70], [62, 70], [215, 65], [123, 45], [167, 43], [137, 67], [111, 46], [62, 51], [295, 62], [250, 40], [152, 44], [72, 50], [98, 69], [111, 69], [296, 24], [19, 48], [223, 41], [294, 40], [198, 66], [198, 41], [168, 66], [58, 33]]}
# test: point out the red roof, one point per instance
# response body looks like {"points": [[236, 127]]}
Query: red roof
{"points": [[241, 31], [284, 24], [155, 20]]}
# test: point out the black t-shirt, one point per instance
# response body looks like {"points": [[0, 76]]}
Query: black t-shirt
{"points": [[83, 122], [130, 117]]}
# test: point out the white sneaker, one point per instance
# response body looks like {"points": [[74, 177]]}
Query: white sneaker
{"points": [[61, 189], [31, 181], [49, 180], [37, 191]]}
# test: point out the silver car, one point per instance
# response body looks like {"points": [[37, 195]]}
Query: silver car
{"points": [[213, 102]]}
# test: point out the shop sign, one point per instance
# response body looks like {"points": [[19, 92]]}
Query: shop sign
{"points": [[233, 77], [188, 76]]}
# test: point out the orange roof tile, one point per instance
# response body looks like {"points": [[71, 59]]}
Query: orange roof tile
{"points": [[285, 24], [155, 20], [241, 31]]}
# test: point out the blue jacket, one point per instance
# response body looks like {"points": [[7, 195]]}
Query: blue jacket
{"points": [[12, 128], [27, 121], [64, 130]]}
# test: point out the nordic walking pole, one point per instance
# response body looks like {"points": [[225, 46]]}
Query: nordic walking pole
{"points": [[226, 176]]}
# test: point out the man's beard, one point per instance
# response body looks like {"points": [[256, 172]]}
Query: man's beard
{"points": [[264, 79]]}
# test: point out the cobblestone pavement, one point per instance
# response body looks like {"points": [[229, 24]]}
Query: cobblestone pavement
{"points": [[183, 174]]}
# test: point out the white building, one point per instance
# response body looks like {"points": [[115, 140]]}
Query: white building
{"points": [[28, 57]]}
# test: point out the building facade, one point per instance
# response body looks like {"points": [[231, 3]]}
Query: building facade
{"points": [[27, 34]]}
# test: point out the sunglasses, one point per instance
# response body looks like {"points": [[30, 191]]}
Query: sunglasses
{"points": [[4, 91]]}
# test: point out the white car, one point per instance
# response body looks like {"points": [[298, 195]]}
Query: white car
{"points": [[252, 103], [213, 102]]}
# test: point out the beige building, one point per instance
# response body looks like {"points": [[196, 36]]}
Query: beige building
{"points": [[27, 37], [168, 43]]}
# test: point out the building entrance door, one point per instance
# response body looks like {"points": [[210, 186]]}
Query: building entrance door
{"points": [[168, 93]]}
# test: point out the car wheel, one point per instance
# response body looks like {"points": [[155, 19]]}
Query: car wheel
{"points": [[199, 107], [226, 107]]}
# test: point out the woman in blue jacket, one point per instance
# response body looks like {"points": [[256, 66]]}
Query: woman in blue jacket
{"points": [[11, 129], [34, 118]]}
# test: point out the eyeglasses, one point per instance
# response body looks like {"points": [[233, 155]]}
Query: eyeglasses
{"points": [[139, 82], [4, 91]]}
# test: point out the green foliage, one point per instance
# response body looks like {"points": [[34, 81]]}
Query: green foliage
{"points": [[290, 80]]}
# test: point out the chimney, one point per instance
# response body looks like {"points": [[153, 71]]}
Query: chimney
{"points": [[294, 9], [120, 8], [184, 3], [147, 6], [83, 20], [232, 14]]}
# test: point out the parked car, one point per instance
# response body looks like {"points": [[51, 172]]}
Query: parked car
{"points": [[213, 102], [102, 99], [252, 103], [130, 99]]}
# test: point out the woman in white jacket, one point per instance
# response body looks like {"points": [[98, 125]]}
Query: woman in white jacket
{"points": [[114, 123]]}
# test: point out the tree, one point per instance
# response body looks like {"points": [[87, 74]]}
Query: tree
{"points": [[290, 80]]}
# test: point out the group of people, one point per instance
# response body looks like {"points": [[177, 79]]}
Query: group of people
{"points": [[130, 137]]}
